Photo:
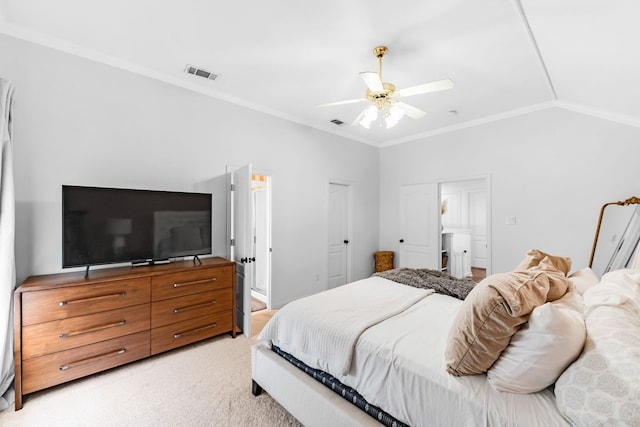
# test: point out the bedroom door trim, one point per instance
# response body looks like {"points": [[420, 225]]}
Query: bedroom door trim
{"points": [[487, 179], [241, 234]]}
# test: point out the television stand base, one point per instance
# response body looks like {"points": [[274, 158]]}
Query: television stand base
{"points": [[150, 262]]}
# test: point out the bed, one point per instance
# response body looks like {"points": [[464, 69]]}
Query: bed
{"points": [[391, 345]]}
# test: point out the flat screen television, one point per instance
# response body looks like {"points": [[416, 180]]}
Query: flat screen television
{"points": [[113, 225]]}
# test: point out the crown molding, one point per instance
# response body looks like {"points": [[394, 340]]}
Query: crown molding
{"points": [[472, 123], [55, 43], [599, 113], [20, 32]]}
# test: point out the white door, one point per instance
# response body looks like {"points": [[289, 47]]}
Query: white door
{"points": [[478, 225], [338, 234], [241, 230], [420, 227]]}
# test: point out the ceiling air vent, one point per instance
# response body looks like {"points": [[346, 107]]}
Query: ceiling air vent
{"points": [[190, 69], [337, 122]]}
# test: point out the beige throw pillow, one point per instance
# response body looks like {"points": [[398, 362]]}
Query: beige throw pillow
{"points": [[488, 318], [558, 282], [555, 267], [534, 256]]}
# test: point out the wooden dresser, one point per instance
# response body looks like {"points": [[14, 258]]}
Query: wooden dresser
{"points": [[68, 326]]}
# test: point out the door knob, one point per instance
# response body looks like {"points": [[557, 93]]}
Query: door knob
{"points": [[346, 242], [401, 240]]}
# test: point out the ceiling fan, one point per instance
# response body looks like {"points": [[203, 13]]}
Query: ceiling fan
{"points": [[387, 107]]}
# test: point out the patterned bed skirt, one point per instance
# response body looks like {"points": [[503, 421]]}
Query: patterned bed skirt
{"points": [[347, 393]]}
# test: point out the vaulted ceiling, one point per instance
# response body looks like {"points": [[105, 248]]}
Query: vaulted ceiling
{"points": [[285, 57]]}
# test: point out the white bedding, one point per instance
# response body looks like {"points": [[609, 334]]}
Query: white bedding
{"points": [[322, 330], [398, 365], [404, 356]]}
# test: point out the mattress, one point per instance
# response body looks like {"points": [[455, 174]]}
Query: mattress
{"points": [[398, 365]]}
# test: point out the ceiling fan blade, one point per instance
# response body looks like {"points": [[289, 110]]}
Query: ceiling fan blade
{"points": [[348, 101], [427, 87], [372, 80], [411, 111]]}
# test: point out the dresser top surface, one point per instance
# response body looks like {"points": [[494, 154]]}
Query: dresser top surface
{"points": [[76, 278]]}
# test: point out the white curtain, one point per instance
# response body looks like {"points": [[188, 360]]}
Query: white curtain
{"points": [[7, 247]]}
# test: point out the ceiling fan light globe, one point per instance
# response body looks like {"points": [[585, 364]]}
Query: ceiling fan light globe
{"points": [[368, 116], [390, 122], [396, 113]]}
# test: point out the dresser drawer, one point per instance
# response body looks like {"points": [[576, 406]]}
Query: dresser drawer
{"points": [[189, 331], [64, 334], [190, 282], [57, 368], [53, 304], [178, 309]]}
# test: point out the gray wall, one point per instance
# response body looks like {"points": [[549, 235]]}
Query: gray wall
{"points": [[83, 123], [552, 169]]}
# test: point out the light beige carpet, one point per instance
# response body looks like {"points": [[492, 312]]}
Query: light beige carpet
{"points": [[205, 384]]}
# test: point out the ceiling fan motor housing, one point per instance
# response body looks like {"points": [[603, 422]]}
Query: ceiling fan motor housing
{"points": [[380, 98]]}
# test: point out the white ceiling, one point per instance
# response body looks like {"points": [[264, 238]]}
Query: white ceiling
{"points": [[285, 57]]}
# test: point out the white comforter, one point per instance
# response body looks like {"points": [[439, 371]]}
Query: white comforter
{"points": [[322, 330], [398, 364]]}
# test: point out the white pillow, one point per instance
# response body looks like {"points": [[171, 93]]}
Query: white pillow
{"points": [[602, 387], [543, 348], [582, 280]]}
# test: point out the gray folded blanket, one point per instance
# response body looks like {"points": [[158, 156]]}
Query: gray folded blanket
{"points": [[442, 283]]}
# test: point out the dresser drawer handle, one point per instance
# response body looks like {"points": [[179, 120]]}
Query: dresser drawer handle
{"points": [[195, 282], [96, 298], [180, 334], [68, 366], [190, 307], [93, 329]]}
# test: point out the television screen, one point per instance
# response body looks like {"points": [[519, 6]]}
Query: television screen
{"points": [[110, 225]]}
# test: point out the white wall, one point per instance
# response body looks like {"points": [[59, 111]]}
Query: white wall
{"points": [[79, 122], [551, 169], [83, 123]]}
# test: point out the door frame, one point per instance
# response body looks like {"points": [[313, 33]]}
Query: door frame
{"points": [[230, 168], [270, 233], [487, 179], [350, 225]]}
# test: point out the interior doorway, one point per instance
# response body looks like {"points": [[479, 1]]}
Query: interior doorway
{"points": [[465, 218], [261, 285], [249, 217]]}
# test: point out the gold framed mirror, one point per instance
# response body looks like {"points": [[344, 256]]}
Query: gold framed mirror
{"points": [[617, 236]]}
